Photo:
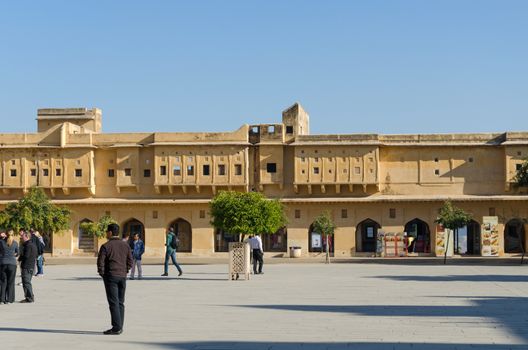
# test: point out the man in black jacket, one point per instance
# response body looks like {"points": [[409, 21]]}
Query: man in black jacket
{"points": [[113, 263], [28, 259]]}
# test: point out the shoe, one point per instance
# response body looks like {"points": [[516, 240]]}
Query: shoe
{"points": [[261, 273], [140, 278], [181, 273], [26, 301], [165, 274], [131, 278], [113, 332]]}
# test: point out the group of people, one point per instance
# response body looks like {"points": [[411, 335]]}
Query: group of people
{"points": [[30, 255], [117, 258]]}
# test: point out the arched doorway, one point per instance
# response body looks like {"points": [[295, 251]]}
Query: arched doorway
{"points": [[86, 241], [276, 242], [467, 239], [418, 232], [317, 243], [134, 226], [514, 236], [366, 236], [184, 231]]}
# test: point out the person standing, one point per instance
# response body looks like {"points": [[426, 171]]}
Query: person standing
{"points": [[255, 244], [28, 259], [138, 248], [113, 263], [40, 249], [171, 244], [8, 265]]}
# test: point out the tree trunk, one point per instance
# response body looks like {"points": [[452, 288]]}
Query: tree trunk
{"points": [[446, 247], [327, 251]]}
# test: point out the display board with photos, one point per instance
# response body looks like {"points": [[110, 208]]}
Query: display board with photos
{"points": [[490, 236]]}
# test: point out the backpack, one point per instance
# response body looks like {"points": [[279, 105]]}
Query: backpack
{"points": [[175, 242]]}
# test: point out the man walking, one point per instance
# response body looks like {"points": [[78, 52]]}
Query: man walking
{"points": [[255, 244], [113, 263], [27, 259], [172, 243]]}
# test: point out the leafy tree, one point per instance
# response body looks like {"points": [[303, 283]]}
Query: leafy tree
{"points": [[521, 178], [452, 218], [36, 211], [98, 229], [248, 213], [324, 225]]}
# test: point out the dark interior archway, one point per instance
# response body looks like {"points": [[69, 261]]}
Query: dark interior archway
{"points": [[183, 229], [514, 236], [134, 226], [86, 241], [317, 243], [420, 235], [277, 242], [366, 236]]}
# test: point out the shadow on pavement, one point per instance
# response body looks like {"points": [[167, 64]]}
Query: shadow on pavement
{"points": [[57, 331], [145, 278], [249, 345], [457, 278]]}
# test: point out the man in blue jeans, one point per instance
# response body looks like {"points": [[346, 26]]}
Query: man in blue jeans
{"points": [[171, 243]]}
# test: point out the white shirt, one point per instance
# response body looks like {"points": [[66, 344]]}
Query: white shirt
{"points": [[255, 243]]}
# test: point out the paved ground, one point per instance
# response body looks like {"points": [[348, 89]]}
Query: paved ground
{"points": [[292, 306]]}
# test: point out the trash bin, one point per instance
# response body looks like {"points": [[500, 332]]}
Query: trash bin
{"points": [[295, 252]]}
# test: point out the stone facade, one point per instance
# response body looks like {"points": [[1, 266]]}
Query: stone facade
{"points": [[370, 182]]}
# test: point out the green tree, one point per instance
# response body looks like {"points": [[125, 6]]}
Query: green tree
{"points": [[452, 218], [248, 213], [324, 225], [35, 210], [98, 229], [521, 177]]}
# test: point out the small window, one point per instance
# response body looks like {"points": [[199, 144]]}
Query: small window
{"points": [[154, 214], [330, 171], [297, 214], [128, 172], [345, 171], [371, 160], [271, 167], [436, 160], [221, 169], [519, 153], [303, 171], [206, 170], [111, 172], [176, 170], [491, 212], [303, 159], [202, 214], [13, 173], [78, 162], [357, 170], [45, 172], [58, 172], [238, 169], [78, 172], [13, 162], [177, 159], [163, 170], [316, 170], [470, 159], [190, 170], [190, 159], [316, 151], [255, 130], [146, 172], [33, 172], [344, 213], [316, 159], [271, 129], [437, 172], [392, 213], [289, 129], [518, 167], [371, 171]]}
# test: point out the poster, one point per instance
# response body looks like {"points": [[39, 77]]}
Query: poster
{"points": [[490, 236], [370, 232], [316, 240], [444, 241]]}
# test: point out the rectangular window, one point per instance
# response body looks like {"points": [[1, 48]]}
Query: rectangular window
{"points": [[357, 170], [128, 172], [176, 171], [13, 172], [271, 129], [146, 172], [437, 172], [190, 170], [206, 170], [491, 211], [392, 213], [13, 162], [58, 172], [221, 169], [154, 214], [33, 172], [344, 213], [297, 214], [78, 172], [163, 170], [271, 167], [238, 169], [518, 167], [111, 172], [202, 214], [316, 170], [289, 129], [45, 172]]}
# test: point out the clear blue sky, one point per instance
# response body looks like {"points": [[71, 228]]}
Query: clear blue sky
{"points": [[356, 66]]}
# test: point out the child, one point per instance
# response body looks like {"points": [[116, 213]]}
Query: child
{"points": [[138, 248]]}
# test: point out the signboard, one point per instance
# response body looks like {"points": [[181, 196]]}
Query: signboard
{"points": [[490, 236], [316, 240], [443, 235]]}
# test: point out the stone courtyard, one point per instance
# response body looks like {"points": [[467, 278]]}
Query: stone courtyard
{"points": [[291, 306]]}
